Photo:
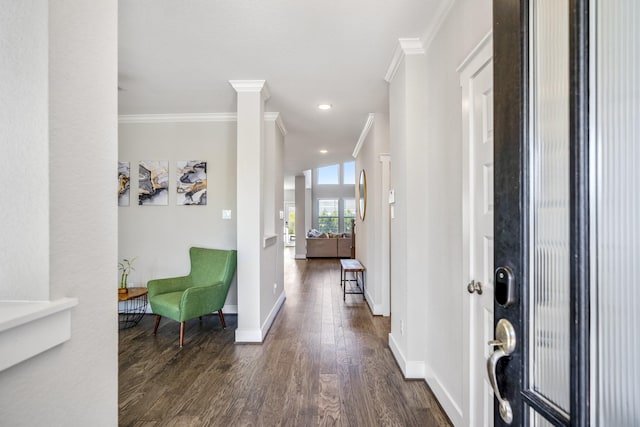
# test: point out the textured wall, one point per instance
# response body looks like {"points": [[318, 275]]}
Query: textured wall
{"points": [[75, 383]]}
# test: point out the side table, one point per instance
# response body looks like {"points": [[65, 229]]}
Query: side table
{"points": [[133, 307]]}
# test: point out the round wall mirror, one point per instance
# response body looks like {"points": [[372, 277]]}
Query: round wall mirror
{"points": [[362, 194]]}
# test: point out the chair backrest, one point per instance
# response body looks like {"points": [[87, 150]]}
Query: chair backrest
{"points": [[209, 266]]}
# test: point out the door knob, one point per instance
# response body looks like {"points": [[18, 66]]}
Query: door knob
{"points": [[505, 343], [474, 286]]}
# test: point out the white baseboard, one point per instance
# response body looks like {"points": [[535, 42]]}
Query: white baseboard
{"points": [[258, 335], [376, 309], [227, 309], [248, 336], [411, 369], [272, 315], [301, 256], [448, 403]]}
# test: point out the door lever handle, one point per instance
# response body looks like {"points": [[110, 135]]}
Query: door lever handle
{"points": [[505, 342]]}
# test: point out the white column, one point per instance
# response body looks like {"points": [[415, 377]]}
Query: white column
{"points": [[385, 235], [251, 97], [301, 250]]}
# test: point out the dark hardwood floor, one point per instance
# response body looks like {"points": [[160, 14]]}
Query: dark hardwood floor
{"points": [[324, 362]]}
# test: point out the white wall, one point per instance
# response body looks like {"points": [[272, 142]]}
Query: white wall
{"points": [[408, 239], [272, 257], [444, 184], [24, 151], [160, 236], [426, 174], [52, 388], [371, 244]]}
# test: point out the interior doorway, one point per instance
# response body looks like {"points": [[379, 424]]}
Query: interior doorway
{"points": [[289, 224]]}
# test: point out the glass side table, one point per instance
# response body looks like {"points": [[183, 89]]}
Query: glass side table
{"points": [[132, 305]]}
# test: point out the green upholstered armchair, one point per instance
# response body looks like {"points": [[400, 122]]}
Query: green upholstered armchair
{"points": [[203, 291]]}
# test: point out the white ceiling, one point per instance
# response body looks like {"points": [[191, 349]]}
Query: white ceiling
{"points": [[177, 56]]}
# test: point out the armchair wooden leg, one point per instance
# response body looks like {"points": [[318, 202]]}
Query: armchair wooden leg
{"points": [[221, 316], [155, 328], [181, 333]]}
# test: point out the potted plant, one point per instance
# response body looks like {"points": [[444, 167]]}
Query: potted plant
{"points": [[125, 266]]}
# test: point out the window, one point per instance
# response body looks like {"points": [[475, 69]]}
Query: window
{"points": [[349, 173], [349, 214], [328, 218], [329, 175]]}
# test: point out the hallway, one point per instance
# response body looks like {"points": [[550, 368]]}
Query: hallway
{"points": [[324, 362]]}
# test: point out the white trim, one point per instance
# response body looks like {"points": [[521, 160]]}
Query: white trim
{"points": [[272, 315], [301, 256], [248, 336], [440, 16], [258, 335], [470, 66], [363, 134], [385, 235], [252, 86], [376, 309], [397, 353], [196, 118], [227, 309], [444, 397], [230, 309], [277, 117], [479, 53], [178, 118], [28, 328], [406, 46], [411, 369], [269, 240]]}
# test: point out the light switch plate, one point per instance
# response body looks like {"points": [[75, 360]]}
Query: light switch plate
{"points": [[226, 214], [281, 214]]}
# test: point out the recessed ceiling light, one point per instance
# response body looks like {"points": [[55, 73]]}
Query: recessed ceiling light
{"points": [[324, 106], [324, 151]]}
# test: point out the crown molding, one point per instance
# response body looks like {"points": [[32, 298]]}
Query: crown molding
{"points": [[277, 117], [252, 86], [407, 46], [364, 134], [439, 17], [178, 118]]}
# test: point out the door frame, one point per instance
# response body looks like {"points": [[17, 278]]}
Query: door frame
{"points": [[475, 61], [511, 222]]}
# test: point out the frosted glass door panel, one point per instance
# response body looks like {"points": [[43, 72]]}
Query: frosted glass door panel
{"points": [[549, 189], [617, 220]]}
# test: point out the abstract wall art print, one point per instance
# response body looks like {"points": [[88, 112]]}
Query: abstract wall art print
{"points": [[153, 183], [192, 182], [124, 178]]}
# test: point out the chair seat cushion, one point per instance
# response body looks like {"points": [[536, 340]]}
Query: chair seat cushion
{"points": [[168, 305]]}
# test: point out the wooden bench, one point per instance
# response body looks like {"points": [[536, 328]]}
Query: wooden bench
{"points": [[351, 266]]}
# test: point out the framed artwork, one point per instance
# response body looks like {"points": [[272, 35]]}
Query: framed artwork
{"points": [[192, 182], [124, 179], [153, 183]]}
